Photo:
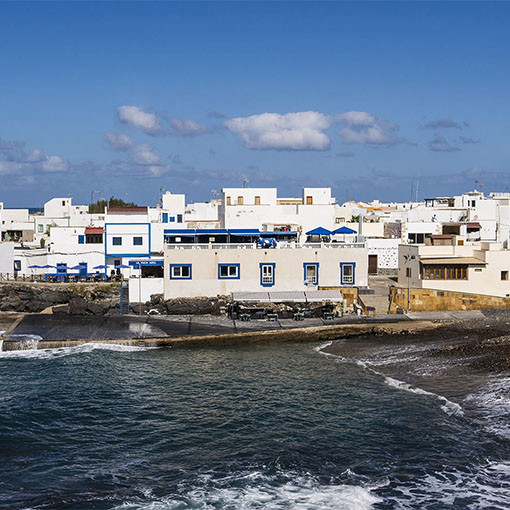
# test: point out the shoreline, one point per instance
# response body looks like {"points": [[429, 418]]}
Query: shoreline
{"points": [[311, 333]]}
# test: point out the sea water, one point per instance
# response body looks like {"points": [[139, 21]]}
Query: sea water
{"points": [[269, 426]]}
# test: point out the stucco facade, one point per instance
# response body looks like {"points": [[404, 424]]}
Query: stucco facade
{"points": [[201, 273]]}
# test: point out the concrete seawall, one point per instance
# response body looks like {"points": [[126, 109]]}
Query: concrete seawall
{"points": [[204, 339]]}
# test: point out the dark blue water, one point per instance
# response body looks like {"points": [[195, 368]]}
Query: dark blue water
{"points": [[254, 427]]}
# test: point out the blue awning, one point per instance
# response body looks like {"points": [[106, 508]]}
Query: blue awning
{"points": [[344, 230], [237, 231], [211, 231], [177, 232], [319, 231], [278, 233]]}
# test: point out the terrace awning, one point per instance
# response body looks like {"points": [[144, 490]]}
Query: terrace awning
{"points": [[319, 231], [344, 230]]}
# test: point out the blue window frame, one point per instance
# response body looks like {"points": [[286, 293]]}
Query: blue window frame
{"points": [[137, 241], [165, 217], [179, 218], [180, 271], [267, 273], [229, 271], [347, 273], [117, 241], [81, 239], [172, 219], [311, 273]]}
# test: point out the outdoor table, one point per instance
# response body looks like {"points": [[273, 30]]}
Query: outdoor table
{"points": [[299, 316], [272, 317]]}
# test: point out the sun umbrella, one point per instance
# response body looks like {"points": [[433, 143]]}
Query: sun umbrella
{"points": [[100, 267], [35, 266], [121, 266], [344, 230], [319, 231], [79, 266], [48, 266]]}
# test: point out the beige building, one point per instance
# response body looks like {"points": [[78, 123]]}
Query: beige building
{"points": [[220, 269], [477, 268]]}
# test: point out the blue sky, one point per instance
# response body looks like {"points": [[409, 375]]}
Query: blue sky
{"points": [[368, 98]]}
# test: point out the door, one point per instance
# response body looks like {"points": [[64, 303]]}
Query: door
{"points": [[372, 264]]}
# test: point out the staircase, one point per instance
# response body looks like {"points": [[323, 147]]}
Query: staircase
{"points": [[124, 297], [379, 298]]}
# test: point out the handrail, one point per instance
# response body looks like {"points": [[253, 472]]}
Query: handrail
{"points": [[255, 246]]}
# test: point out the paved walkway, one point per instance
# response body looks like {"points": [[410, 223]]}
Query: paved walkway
{"points": [[454, 315]]}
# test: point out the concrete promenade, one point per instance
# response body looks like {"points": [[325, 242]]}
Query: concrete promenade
{"points": [[48, 331]]}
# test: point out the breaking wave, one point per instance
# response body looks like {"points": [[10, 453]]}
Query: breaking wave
{"points": [[68, 351], [261, 492], [449, 407]]}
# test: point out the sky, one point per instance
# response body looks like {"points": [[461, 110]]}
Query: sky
{"points": [[387, 100]]}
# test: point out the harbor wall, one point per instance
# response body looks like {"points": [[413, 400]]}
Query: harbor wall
{"points": [[431, 300]]}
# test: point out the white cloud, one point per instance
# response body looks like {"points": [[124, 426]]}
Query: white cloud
{"points": [[10, 168], [365, 129], [292, 131], [146, 155], [118, 142], [54, 164], [440, 144], [148, 122], [186, 127]]}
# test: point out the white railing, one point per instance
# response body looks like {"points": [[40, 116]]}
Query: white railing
{"points": [[255, 246]]}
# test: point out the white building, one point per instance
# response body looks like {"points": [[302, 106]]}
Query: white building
{"points": [[477, 268], [211, 270]]}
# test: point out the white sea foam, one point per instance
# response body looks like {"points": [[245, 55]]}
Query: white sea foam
{"points": [[298, 494], [493, 402], [486, 487], [68, 351], [450, 408]]}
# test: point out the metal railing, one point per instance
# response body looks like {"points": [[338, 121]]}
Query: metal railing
{"points": [[255, 246]]}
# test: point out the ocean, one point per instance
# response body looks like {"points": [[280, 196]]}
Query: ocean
{"points": [[261, 426]]}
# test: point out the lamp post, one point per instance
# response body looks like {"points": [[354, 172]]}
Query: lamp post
{"points": [[140, 288]]}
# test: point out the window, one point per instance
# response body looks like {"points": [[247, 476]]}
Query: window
{"points": [[63, 203], [117, 241], [94, 238], [339, 220], [229, 200], [240, 200], [504, 275], [165, 217], [137, 241], [416, 238], [311, 273], [179, 218], [81, 239], [40, 229], [347, 273], [172, 219], [267, 274], [409, 272], [180, 271], [444, 272], [228, 271], [309, 200], [257, 200]]}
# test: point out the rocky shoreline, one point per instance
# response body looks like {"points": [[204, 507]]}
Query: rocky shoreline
{"points": [[479, 346]]}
